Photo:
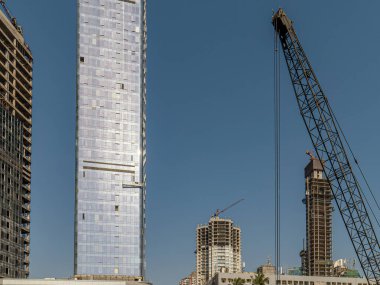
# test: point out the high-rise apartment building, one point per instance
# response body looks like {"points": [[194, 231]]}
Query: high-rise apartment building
{"points": [[218, 249], [110, 141], [316, 258], [15, 148]]}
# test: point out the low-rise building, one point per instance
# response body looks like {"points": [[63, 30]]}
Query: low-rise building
{"points": [[53, 281], [267, 269], [228, 278]]}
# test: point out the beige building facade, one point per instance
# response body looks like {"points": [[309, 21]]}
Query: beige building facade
{"points": [[218, 249], [228, 278]]}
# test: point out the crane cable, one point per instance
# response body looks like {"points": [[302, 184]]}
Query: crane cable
{"points": [[360, 170], [277, 143]]}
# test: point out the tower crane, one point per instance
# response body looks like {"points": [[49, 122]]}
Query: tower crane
{"points": [[218, 212], [326, 137], [11, 18]]}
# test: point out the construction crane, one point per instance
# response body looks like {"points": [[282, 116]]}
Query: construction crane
{"points": [[326, 136], [218, 212], [11, 18]]}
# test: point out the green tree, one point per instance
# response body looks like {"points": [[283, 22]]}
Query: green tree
{"points": [[238, 281], [260, 279]]}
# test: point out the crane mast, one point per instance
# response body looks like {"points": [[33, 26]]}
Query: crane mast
{"points": [[325, 136]]}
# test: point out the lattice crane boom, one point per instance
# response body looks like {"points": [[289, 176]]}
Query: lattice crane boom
{"points": [[326, 138], [218, 211]]}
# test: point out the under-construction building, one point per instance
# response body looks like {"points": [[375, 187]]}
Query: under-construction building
{"points": [[189, 280], [316, 258], [218, 249], [15, 148]]}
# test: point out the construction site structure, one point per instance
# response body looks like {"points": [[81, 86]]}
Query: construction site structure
{"points": [[316, 258], [344, 268], [218, 249], [15, 149]]}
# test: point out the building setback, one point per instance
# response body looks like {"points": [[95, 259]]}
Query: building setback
{"points": [[218, 249], [316, 258], [110, 140], [15, 149]]}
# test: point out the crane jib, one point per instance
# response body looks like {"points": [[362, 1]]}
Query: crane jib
{"points": [[326, 139]]}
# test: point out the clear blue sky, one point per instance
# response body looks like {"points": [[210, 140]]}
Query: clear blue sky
{"points": [[210, 122]]}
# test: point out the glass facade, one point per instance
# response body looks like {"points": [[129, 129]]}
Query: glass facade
{"points": [[110, 154]]}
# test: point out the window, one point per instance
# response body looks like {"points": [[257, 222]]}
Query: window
{"points": [[83, 217], [81, 59], [116, 208]]}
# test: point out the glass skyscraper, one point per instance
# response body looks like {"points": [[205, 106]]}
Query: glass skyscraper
{"points": [[110, 140]]}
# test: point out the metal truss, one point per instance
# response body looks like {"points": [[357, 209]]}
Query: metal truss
{"points": [[324, 134]]}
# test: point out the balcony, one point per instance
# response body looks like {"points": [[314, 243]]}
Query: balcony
{"points": [[26, 196], [25, 217], [26, 206], [26, 238], [25, 228], [26, 186]]}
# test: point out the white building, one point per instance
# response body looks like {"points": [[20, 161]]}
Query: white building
{"points": [[53, 281], [227, 279]]}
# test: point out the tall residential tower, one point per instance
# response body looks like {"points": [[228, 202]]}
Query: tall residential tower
{"points": [[218, 249], [110, 140], [15, 148], [316, 258]]}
